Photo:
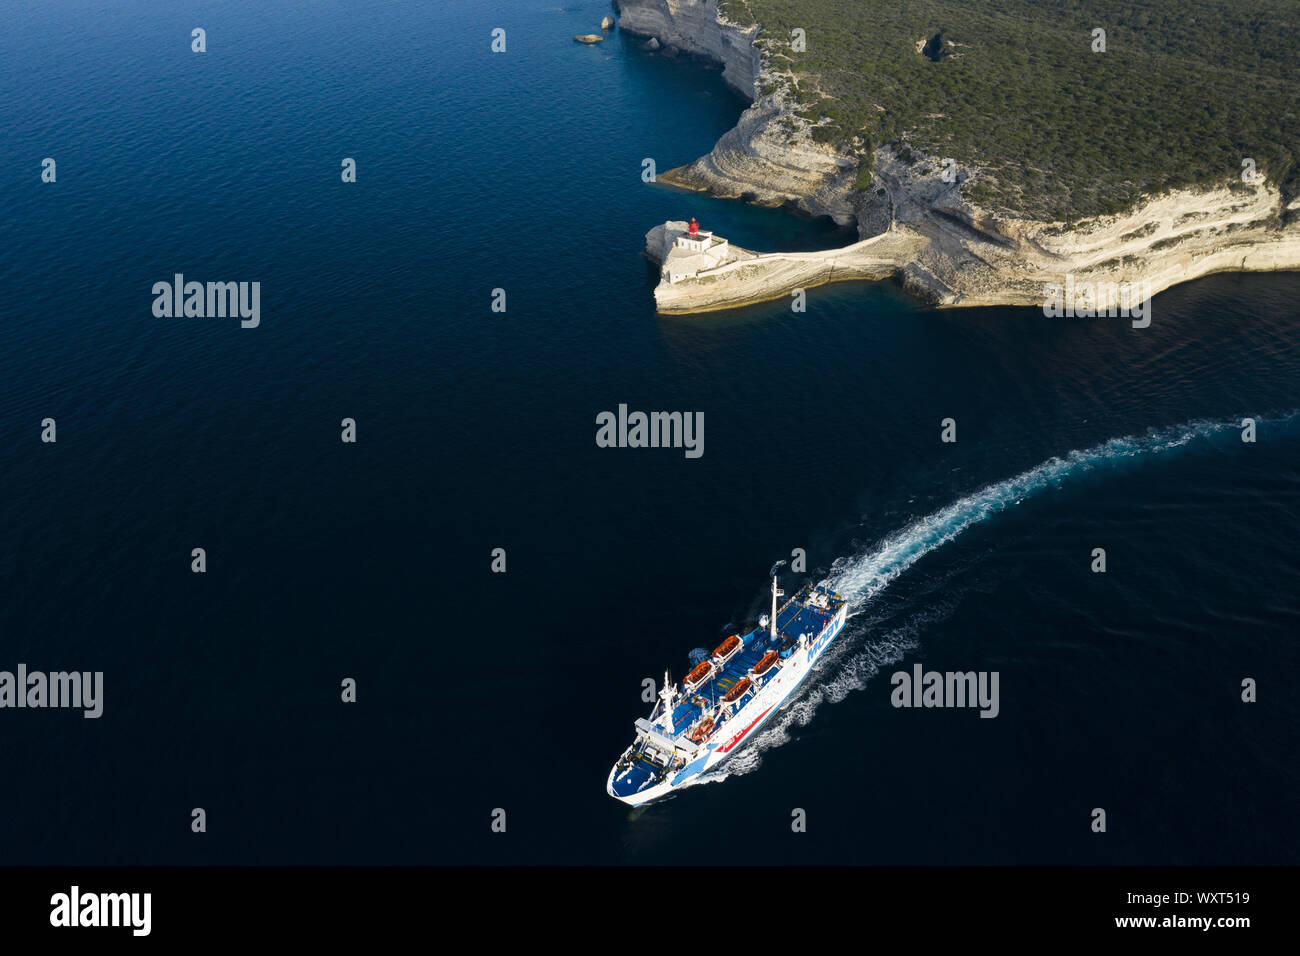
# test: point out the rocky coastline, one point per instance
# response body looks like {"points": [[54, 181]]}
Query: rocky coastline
{"points": [[919, 228]]}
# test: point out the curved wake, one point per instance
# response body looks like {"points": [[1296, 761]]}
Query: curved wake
{"points": [[861, 578]]}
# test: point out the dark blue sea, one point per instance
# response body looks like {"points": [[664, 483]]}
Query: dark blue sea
{"points": [[479, 691]]}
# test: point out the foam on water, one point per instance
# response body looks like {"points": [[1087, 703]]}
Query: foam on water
{"points": [[862, 577], [849, 665], [847, 668]]}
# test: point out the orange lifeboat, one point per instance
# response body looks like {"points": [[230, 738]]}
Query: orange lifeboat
{"points": [[728, 648], [737, 692], [765, 663], [698, 675], [702, 731]]}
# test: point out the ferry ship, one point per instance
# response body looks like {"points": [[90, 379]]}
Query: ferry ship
{"points": [[727, 696]]}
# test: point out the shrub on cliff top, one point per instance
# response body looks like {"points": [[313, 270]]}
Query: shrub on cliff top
{"points": [[1185, 90]]}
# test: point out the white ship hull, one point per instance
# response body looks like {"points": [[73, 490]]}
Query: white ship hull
{"points": [[743, 724]]}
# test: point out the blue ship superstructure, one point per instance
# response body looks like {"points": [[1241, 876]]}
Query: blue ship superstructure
{"points": [[727, 696]]}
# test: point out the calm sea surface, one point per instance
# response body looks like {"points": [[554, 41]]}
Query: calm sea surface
{"points": [[521, 171]]}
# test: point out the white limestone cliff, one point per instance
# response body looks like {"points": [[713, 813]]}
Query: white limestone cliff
{"points": [[923, 230]]}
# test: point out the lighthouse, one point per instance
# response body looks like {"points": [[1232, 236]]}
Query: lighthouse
{"points": [[693, 251], [696, 239]]}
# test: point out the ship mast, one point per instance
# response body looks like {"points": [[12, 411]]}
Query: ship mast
{"points": [[775, 594], [666, 695]]}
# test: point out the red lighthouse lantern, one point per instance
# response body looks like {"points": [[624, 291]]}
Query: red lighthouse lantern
{"points": [[695, 227]]}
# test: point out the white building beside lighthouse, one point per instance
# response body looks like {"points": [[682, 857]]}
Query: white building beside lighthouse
{"points": [[692, 252]]}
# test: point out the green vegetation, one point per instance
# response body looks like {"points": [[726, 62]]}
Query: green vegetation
{"points": [[1184, 92]]}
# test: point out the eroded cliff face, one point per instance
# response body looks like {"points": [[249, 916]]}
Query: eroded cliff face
{"points": [[696, 27], [973, 257], [922, 229], [951, 253], [761, 161], [769, 158]]}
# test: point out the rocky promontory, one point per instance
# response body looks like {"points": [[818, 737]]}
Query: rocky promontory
{"points": [[747, 277]]}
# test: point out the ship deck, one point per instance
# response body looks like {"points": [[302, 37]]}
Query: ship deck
{"points": [[643, 768], [795, 618]]}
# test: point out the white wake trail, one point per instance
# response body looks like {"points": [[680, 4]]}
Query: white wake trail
{"points": [[863, 577], [849, 665]]}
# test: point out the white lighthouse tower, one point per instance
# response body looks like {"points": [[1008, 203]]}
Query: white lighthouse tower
{"points": [[694, 251]]}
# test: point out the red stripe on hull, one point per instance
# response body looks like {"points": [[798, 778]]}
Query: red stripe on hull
{"points": [[740, 736]]}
